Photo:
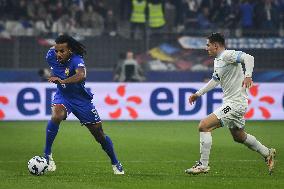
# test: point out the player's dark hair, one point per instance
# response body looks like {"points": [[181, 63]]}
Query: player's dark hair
{"points": [[76, 46], [217, 38]]}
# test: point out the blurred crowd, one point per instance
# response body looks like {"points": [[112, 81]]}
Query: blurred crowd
{"points": [[245, 14], [96, 17]]}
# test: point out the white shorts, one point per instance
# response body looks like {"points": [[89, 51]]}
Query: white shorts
{"points": [[231, 115]]}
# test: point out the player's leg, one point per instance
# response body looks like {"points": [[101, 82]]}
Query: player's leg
{"points": [[205, 127], [88, 116], [236, 123], [105, 141], [59, 113], [106, 144], [252, 143]]}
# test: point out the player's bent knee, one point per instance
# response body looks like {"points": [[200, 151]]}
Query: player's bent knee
{"points": [[58, 113], [97, 127], [203, 126], [57, 118], [238, 140], [97, 131]]}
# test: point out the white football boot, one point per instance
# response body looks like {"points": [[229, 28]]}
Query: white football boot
{"points": [[197, 169], [118, 169], [51, 163], [270, 160]]}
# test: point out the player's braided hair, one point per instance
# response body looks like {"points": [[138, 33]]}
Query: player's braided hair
{"points": [[76, 46], [217, 37]]}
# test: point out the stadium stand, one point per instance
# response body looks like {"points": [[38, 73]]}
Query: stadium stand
{"points": [[28, 28]]}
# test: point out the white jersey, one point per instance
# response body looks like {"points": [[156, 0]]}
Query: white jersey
{"points": [[229, 73]]}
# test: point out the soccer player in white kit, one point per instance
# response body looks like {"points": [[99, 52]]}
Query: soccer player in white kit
{"points": [[228, 72]]}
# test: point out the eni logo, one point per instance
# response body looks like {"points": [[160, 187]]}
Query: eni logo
{"points": [[67, 71]]}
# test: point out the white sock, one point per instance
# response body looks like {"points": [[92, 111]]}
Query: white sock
{"points": [[205, 147], [255, 145]]}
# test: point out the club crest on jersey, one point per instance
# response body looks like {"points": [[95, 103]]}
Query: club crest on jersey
{"points": [[67, 71]]}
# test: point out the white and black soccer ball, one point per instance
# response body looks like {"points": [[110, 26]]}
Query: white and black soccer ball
{"points": [[37, 165]]}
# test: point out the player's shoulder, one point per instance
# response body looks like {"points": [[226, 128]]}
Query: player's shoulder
{"points": [[231, 55], [227, 53], [50, 54], [77, 60]]}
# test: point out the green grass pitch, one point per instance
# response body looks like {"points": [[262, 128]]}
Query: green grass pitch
{"points": [[154, 154]]}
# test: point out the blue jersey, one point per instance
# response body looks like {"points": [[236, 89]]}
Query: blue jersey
{"points": [[74, 96], [73, 92]]}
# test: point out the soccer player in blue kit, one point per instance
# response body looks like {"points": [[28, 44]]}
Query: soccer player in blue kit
{"points": [[69, 73]]}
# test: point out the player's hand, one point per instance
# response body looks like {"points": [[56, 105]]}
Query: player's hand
{"points": [[247, 83], [192, 98], [55, 80]]}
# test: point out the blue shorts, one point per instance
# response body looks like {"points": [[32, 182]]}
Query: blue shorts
{"points": [[85, 111]]}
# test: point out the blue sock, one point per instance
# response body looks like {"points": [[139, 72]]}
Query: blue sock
{"points": [[51, 132], [108, 148]]}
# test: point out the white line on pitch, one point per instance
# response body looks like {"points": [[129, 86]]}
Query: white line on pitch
{"points": [[137, 161]]}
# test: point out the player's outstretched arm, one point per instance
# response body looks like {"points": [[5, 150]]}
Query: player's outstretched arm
{"points": [[76, 78], [248, 61], [193, 98], [247, 83], [54, 79], [210, 85], [241, 57]]}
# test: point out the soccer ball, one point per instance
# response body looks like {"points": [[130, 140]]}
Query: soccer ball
{"points": [[37, 165]]}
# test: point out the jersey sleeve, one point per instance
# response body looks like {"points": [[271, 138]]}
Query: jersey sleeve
{"points": [[50, 56], [215, 77], [232, 56], [209, 86], [78, 62]]}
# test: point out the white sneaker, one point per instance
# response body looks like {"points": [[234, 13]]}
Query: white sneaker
{"points": [[197, 169], [51, 163], [270, 160], [118, 169]]}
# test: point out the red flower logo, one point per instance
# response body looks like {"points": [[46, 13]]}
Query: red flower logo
{"points": [[3, 100], [263, 99], [126, 100]]}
